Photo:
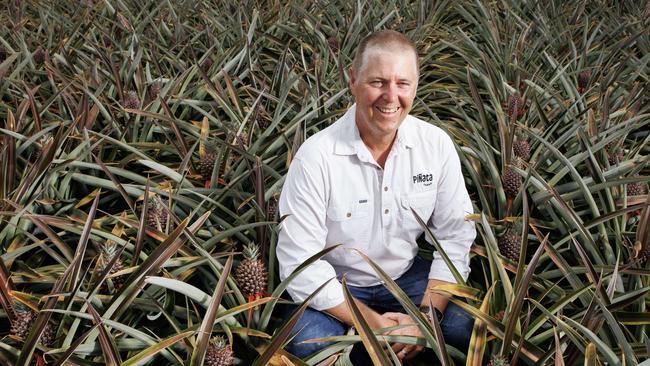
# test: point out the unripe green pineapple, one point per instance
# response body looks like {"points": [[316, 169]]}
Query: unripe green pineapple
{"points": [[511, 182], [510, 243], [107, 252], [251, 273], [218, 353]]}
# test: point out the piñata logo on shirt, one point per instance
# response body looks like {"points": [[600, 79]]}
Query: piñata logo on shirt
{"points": [[427, 179]]}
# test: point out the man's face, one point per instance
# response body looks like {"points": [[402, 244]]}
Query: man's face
{"points": [[384, 88]]}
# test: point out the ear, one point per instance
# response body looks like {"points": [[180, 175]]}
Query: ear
{"points": [[352, 76]]}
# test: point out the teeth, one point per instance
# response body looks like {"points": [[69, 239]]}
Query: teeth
{"points": [[388, 110]]}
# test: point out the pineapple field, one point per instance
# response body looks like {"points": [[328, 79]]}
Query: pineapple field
{"points": [[144, 146]]}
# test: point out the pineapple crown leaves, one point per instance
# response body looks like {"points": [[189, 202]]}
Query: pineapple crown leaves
{"points": [[218, 342], [251, 251]]}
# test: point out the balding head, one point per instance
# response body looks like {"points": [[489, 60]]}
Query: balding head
{"points": [[384, 40]]}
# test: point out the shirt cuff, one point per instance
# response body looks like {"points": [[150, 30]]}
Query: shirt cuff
{"points": [[329, 296], [440, 271]]}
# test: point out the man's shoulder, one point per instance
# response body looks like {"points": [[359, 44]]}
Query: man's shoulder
{"points": [[426, 132]]}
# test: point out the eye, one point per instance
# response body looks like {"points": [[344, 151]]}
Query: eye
{"points": [[376, 83], [403, 84]]}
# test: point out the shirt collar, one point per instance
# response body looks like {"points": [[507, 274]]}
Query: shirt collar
{"points": [[349, 140]]}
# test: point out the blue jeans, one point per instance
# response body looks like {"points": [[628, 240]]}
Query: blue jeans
{"points": [[456, 323]]}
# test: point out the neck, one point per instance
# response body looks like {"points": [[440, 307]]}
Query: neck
{"points": [[379, 147]]}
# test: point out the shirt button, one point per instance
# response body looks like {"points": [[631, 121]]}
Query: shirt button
{"points": [[386, 211], [385, 189], [349, 214]]}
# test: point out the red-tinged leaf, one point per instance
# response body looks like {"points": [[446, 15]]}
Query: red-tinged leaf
{"points": [[73, 346], [111, 355], [117, 183], [205, 330], [41, 321], [153, 263], [518, 301], [6, 286], [371, 343], [83, 243], [478, 341], [282, 334], [141, 225]]}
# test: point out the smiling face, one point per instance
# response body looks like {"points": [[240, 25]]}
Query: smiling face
{"points": [[384, 88]]}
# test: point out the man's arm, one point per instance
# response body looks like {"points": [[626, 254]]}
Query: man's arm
{"points": [[375, 320]]}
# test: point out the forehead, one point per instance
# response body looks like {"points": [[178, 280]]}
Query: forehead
{"points": [[397, 61]]}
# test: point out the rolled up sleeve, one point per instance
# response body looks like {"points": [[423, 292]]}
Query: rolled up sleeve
{"points": [[448, 222], [303, 233]]}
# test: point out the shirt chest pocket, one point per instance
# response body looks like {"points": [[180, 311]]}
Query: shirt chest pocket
{"points": [[422, 202], [348, 224]]}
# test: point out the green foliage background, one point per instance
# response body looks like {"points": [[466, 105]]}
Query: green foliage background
{"points": [[103, 101]]}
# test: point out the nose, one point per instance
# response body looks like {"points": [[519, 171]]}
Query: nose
{"points": [[390, 92]]}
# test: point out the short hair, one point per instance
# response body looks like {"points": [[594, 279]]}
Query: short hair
{"points": [[387, 40]]}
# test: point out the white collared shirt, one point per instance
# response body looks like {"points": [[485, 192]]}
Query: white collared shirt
{"points": [[336, 193]]}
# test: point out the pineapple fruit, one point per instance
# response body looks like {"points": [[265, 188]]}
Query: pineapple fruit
{"points": [[515, 106], [498, 360], [511, 182], [521, 148], [107, 252], [206, 165], [131, 100], [251, 273], [583, 80], [510, 243], [23, 323], [636, 189], [156, 214], [218, 353]]}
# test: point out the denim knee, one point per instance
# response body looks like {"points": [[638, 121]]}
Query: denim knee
{"points": [[457, 327], [313, 324]]}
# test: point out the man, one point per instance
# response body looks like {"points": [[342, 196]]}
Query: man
{"points": [[354, 183]]}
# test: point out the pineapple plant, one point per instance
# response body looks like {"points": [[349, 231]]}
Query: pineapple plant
{"points": [[39, 56], [156, 215], [614, 153], [207, 64], [515, 106], [498, 360], [636, 189], [521, 148], [23, 322], [583, 80], [107, 252], [511, 182], [251, 274], [131, 100], [154, 90], [510, 243], [219, 353], [206, 165]]}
